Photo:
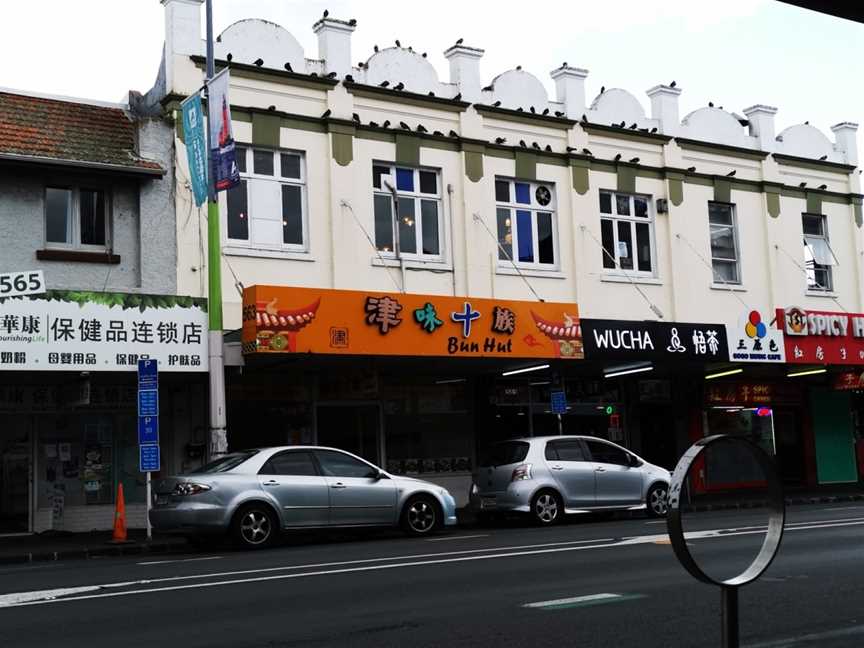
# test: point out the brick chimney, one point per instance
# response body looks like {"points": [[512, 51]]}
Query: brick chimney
{"points": [[334, 44], [465, 70], [664, 108], [761, 120], [570, 89], [844, 137]]}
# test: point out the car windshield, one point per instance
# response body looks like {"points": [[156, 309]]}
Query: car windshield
{"points": [[508, 452], [225, 462]]}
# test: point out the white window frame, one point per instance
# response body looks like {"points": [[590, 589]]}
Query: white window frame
{"points": [[733, 210], [534, 208], [74, 227], [810, 264], [249, 176], [418, 197], [633, 220]]}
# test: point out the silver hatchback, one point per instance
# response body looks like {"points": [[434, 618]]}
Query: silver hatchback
{"points": [[547, 477], [254, 494]]}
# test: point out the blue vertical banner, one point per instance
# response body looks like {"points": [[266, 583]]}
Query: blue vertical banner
{"points": [[196, 146], [223, 162]]}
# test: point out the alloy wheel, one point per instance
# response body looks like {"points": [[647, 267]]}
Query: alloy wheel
{"points": [[255, 527], [657, 501], [546, 508], [421, 516]]}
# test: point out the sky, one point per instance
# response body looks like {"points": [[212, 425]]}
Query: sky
{"points": [[734, 53]]}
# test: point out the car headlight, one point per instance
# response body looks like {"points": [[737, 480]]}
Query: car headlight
{"points": [[190, 488]]}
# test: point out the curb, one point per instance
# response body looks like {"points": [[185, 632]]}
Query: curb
{"points": [[790, 501], [95, 552]]}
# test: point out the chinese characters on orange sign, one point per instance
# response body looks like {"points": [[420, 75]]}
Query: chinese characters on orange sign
{"points": [[368, 323]]}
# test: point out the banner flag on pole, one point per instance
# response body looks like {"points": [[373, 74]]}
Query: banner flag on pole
{"points": [[196, 146], [222, 156]]}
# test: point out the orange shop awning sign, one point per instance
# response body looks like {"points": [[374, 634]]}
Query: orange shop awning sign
{"points": [[279, 319]]}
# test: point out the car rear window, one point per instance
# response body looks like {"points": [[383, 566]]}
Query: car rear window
{"points": [[508, 452], [226, 462]]}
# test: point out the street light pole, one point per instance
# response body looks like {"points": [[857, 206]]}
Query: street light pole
{"points": [[218, 443]]}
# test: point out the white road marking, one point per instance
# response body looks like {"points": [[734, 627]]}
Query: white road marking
{"points": [[49, 596], [810, 639], [656, 522], [574, 599], [464, 537], [179, 560], [840, 508]]}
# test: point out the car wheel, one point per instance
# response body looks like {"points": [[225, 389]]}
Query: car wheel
{"points": [[547, 508], [421, 516], [657, 500], [254, 526]]}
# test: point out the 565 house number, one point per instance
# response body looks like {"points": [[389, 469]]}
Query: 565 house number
{"points": [[15, 284]]}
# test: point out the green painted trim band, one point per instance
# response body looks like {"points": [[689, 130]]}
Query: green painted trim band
{"points": [[241, 115], [720, 149], [626, 178], [403, 97], [267, 74], [814, 202], [722, 190], [178, 127], [772, 188], [344, 129], [302, 125], [473, 165], [816, 165], [522, 117], [407, 149], [676, 190], [376, 135], [626, 133], [343, 148], [856, 210], [526, 165], [473, 147], [439, 144], [501, 153], [772, 200], [266, 130], [580, 177]]}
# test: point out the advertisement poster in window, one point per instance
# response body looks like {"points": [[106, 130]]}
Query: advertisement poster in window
{"points": [[342, 322], [79, 331], [822, 337]]}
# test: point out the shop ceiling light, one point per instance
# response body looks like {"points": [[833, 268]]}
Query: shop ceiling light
{"points": [[807, 372], [624, 372], [447, 381], [525, 370], [720, 374]]}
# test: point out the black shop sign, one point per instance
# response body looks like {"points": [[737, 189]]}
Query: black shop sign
{"points": [[667, 341]]}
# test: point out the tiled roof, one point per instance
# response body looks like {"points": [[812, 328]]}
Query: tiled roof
{"points": [[35, 127]]}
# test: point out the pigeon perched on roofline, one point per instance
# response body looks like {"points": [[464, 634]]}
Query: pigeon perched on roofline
{"points": [[691, 169], [386, 123], [331, 75], [404, 125], [384, 84], [459, 41], [259, 62], [497, 103], [349, 78], [548, 148], [325, 114], [326, 13], [823, 187], [229, 56], [587, 152], [458, 97], [731, 173], [802, 184], [399, 86], [353, 22], [355, 117], [421, 128], [634, 160], [398, 44], [824, 157], [500, 140], [488, 88], [271, 108], [454, 133], [617, 157], [673, 84]]}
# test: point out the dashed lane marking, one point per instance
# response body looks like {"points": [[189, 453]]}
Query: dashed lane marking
{"points": [[461, 537], [582, 601]]}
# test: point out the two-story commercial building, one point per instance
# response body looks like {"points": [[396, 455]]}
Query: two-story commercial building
{"points": [[88, 285], [418, 264]]}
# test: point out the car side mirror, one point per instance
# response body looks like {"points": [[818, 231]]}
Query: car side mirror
{"points": [[634, 461], [376, 475]]}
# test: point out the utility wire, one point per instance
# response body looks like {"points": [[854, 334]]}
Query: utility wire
{"points": [[479, 219], [807, 276], [711, 268], [346, 204], [651, 305]]}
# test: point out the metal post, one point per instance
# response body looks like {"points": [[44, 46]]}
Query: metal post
{"points": [[729, 613], [218, 443], [149, 503]]}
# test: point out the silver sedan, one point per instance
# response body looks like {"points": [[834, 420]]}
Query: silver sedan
{"points": [[547, 477], [255, 493]]}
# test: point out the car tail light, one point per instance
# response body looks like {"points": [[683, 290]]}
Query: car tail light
{"points": [[189, 488], [520, 472]]}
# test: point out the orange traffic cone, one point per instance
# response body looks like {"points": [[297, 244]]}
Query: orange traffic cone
{"points": [[119, 535]]}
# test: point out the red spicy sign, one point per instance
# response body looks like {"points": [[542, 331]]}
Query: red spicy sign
{"points": [[822, 337]]}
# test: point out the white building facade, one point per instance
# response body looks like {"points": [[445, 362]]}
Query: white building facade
{"points": [[506, 193]]}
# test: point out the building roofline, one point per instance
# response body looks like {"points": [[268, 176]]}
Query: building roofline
{"points": [[53, 97]]}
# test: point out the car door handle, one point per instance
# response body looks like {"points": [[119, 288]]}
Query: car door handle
{"points": [[557, 467], [272, 482], [338, 485], [600, 469]]}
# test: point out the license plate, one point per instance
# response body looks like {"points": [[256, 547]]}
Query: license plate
{"points": [[488, 502]]}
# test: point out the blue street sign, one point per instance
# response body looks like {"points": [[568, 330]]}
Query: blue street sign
{"points": [[148, 429], [148, 403], [148, 458], [148, 374], [559, 402]]}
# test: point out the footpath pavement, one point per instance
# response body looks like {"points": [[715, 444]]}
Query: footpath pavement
{"points": [[55, 545]]}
